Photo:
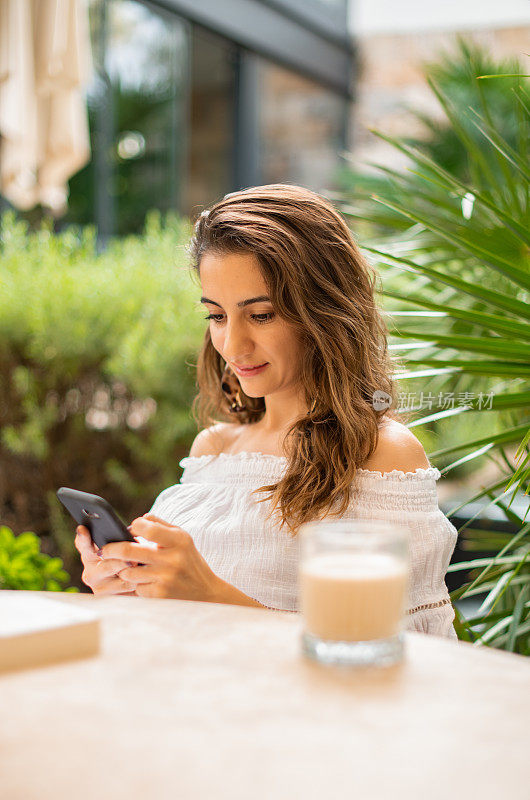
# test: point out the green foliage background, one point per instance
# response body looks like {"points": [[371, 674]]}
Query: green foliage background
{"points": [[23, 566], [97, 354]]}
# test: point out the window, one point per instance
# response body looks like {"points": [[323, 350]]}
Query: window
{"points": [[137, 111]]}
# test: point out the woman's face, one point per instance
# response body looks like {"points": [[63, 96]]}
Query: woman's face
{"points": [[248, 333]]}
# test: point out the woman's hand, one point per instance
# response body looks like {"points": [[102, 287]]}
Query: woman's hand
{"points": [[101, 575], [169, 563]]}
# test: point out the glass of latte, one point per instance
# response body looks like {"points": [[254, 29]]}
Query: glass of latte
{"points": [[353, 586]]}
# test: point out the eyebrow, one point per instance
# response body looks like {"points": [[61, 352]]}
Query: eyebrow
{"points": [[261, 299]]}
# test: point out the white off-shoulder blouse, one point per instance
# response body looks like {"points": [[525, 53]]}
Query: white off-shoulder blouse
{"points": [[214, 504]]}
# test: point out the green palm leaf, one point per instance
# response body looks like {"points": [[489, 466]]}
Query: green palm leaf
{"points": [[453, 239], [510, 348], [512, 369], [492, 298], [492, 322], [503, 265]]}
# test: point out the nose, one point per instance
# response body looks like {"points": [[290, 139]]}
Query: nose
{"points": [[237, 344]]}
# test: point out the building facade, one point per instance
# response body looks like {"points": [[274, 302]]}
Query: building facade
{"points": [[191, 99]]}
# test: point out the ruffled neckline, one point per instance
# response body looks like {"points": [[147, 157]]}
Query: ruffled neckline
{"points": [[255, 457]]}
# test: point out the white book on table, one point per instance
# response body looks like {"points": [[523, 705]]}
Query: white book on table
{"points": [[35, 631]]}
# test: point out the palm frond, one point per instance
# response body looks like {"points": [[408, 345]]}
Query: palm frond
{"points": [[452, 238]]}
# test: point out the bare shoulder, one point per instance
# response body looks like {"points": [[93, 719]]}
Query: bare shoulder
{"points": [[211, 441], [397, 448]]}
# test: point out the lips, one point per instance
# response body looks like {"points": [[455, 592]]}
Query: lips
{"points": [[250, 370]]}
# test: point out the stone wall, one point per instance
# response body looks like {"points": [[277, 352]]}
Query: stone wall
{"points": [[391, 77]]}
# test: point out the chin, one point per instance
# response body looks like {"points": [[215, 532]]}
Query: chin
{"points": [[256, 393], [252, 388]]}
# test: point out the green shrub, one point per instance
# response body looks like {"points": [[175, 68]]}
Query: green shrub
{"points": [[96, 378], [23, 566]]}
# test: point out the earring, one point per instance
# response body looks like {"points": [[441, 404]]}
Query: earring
{"points": [[231, 389], [312, 407]]}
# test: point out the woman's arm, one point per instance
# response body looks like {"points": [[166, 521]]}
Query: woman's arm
{"points": [[229, 594], [170, 565]]}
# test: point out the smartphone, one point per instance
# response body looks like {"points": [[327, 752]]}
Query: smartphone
{"points": [[96, 514]]}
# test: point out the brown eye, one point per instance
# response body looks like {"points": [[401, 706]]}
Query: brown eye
{"points": [[225, 387]]}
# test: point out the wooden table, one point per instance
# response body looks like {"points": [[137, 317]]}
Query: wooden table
{"points": [[196, 700]]}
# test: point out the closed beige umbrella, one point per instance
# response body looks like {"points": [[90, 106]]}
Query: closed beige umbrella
{"points": [[45, 62]]}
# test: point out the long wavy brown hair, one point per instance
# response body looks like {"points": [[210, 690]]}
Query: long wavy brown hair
{"points": [[317, 280]]}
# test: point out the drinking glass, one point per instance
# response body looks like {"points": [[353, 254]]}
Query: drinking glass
{"points": [[353, 583]]}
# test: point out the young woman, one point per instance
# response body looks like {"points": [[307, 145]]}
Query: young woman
{"points": [[296, 402]]}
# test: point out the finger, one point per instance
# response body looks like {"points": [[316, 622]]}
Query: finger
{"points": [[127, 590], [130, 551], [149, 590], [136, 575], [160, 532], [83, 533], [85, 545], [115, 585], [112, 585], [146, 543], [152, 518], [110, 566]]}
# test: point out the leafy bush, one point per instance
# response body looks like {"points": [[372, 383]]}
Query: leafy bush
{"points": [[23, 566], [96, 384]]}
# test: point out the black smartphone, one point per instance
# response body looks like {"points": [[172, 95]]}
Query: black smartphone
{"points": [[96, 514]]}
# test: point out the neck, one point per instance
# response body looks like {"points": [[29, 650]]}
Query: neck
{"points": [[281, 410]]}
